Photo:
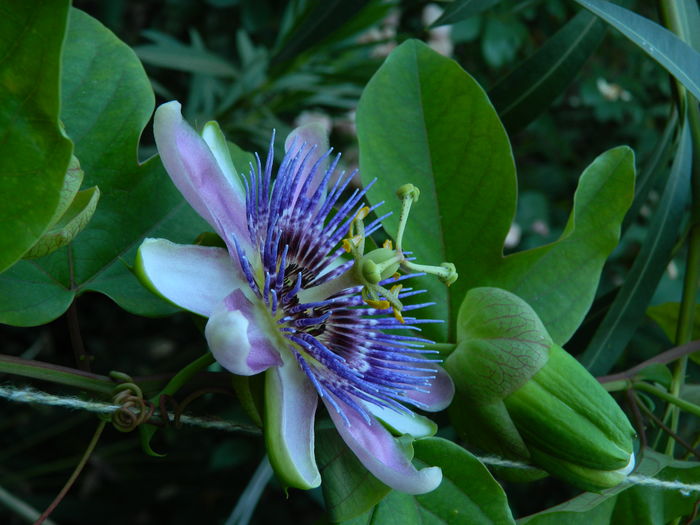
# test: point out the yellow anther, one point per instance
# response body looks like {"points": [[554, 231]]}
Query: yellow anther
{"points": [[388, 244], [364, 211], [396, 275], [396, 289], [351, 242], [399, 317], [380, 304]]}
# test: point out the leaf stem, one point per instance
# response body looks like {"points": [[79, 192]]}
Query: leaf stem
{"points": [[661, 425], [147, 431], [668, 356], [184, 375], [56, 374], [78, 469], [689, 407], [82, 359]]}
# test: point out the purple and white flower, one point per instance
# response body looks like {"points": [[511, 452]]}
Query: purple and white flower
{"points": [[282, 298]]}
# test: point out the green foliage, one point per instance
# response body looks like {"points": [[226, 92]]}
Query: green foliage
{"points": [[403, 118], [468, 494], [462, 9], [547, 72], [674, 55], [34, 149], [106, 103], [423, 120], [496, 328], [629, 306], [348, 488], [562, 97], [629, 504]]}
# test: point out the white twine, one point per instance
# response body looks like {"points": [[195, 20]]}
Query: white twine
{"points": [[29, 395], [632, 479]]}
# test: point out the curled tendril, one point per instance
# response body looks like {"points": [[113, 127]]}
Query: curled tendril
{"points": [[133, 409]]}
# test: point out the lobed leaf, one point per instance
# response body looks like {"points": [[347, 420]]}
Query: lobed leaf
{"points": [[34, 151], [629, 306], [416, 100], [106, 102]]}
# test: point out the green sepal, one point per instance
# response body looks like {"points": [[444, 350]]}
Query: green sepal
{"points": [[592, 480], [487, 427], [563, 411], [71, 223], [146, 433], [71, 185], [501, 344]]}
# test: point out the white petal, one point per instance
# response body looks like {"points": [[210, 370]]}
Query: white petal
{"points": [[196, 278]]}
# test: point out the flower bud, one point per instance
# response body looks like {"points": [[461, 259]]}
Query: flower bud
{"points": [[524, 397]]}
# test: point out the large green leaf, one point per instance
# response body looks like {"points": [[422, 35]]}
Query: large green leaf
{"points": [[536, 82], [630, 503], [106, 102], [468, 494], [34, 152], [674, 55], [422, 119], [632, 299]]}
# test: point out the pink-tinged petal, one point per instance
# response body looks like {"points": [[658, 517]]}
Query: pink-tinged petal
{"points": [[194, 170], [380, 453], [196, 278], [308, 136], [290, 406], [442, 390], [238, 340]]}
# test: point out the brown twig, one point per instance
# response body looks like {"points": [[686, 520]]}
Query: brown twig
{"points": [[666, 429], [82, 358], [74, 475], [662, 358]]}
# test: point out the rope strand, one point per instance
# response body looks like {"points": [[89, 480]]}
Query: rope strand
{"points": [[30, 395]]}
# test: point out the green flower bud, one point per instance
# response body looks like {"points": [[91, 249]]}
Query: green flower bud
{"points": [[523, 397]]}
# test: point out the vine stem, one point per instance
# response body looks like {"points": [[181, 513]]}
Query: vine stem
{"points": [[674, 16], [689, 407], [74, 476]]}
